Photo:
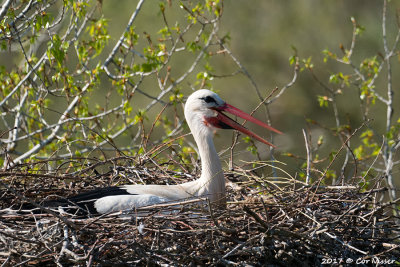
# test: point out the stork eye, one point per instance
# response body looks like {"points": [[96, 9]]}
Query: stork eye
{"points": [[209, 99]]}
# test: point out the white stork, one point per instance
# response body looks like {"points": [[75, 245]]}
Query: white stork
{"points": [[204, 113]]}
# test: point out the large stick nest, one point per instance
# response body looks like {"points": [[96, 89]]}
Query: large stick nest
{"points": [[266, 221]]}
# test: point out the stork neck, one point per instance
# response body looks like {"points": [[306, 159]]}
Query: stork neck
{"points": [[210, 163], [211, 181]]}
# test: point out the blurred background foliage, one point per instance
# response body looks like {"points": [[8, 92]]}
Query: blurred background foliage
{"points": [[268, 38]]}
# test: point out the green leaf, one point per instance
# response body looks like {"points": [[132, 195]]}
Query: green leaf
{"points": [[57, 50], [323, 101]]}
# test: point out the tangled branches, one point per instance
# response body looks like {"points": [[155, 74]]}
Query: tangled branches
{"points": [[287, 224]]}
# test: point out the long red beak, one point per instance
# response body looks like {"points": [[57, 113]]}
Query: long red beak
{"points": [[223, 121]]}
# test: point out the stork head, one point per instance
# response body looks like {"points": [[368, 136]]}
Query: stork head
{"points": [[204, 112]]}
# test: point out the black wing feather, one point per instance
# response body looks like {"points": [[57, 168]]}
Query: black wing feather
{"points": [[81, 204]]}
